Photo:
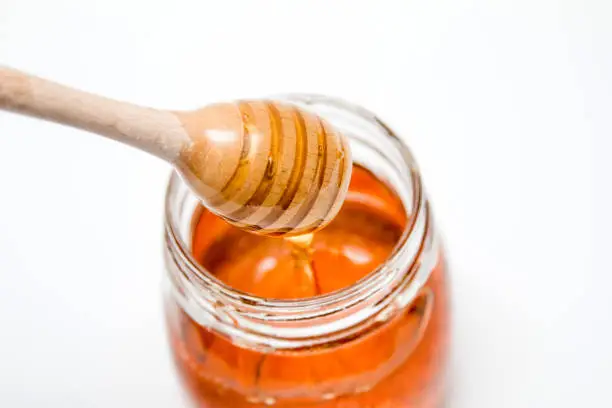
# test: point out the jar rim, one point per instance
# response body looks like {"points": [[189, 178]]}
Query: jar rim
{"points": [[244, 309]]}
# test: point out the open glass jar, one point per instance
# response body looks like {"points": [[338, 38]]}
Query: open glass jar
{"points": [[380, 341]]}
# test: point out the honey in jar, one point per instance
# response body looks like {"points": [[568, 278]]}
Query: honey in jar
{"points": [[358, 317]]}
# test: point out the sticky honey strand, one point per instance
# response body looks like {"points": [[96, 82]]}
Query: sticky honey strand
{"points": [[302, 167]]}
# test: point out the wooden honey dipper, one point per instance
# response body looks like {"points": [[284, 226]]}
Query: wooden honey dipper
{"points": [[264, 166]]}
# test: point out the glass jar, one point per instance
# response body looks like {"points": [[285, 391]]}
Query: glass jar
{"points": [[380, 342]]}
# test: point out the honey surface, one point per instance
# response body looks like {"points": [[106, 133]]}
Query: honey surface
{"points": [[358, 240]]}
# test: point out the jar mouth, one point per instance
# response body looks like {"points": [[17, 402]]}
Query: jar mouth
{"points": [[295, 323]]}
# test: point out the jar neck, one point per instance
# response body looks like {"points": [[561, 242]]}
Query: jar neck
{"points": [[332, 318]]}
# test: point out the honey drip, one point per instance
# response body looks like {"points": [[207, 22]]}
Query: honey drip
{"points": [[302, 255]]}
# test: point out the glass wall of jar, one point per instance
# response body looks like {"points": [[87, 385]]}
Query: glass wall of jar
{"points": [[376, 335]]}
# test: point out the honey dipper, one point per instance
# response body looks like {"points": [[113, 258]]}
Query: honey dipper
{"points": [[264, 166]]}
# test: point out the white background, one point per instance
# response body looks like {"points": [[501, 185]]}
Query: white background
{"points": [[506, 105]]}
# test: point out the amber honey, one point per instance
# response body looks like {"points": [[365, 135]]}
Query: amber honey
{"points": [[398, 363]]}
